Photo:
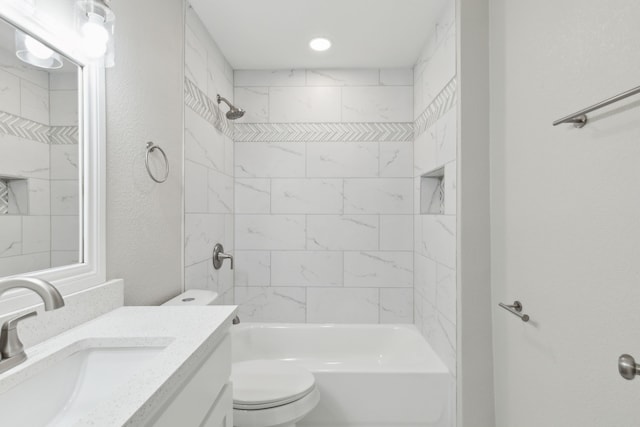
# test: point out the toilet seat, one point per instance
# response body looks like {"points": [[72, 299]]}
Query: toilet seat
{"points": [[264, 384]]}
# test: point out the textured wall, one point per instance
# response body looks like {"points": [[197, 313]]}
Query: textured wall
{"points": [[145, 103], [565, 211], [324, 196], [208, 166]]}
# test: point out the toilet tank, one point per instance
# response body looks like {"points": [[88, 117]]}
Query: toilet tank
{"points": [[194, 297]]}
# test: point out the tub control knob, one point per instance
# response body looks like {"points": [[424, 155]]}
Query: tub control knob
{"points": [[219, 256]]}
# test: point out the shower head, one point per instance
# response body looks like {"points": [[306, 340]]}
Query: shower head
{"points": [[233, 113]]}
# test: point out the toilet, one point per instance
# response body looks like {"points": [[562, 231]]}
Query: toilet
{"points": [[266, 393]]}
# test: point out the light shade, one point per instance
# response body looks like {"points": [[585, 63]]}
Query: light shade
{"points": [[320, 44], [36, 53], [95, 25]]}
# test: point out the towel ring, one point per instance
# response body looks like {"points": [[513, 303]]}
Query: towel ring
{"points": [[150, 147]]}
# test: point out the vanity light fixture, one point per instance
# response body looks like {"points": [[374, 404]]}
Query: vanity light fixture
{"points": [[36, 53], [320, 44], [95, 24]]}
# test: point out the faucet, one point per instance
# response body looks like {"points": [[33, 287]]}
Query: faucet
{"points": [[11, 348], [219, 256]]}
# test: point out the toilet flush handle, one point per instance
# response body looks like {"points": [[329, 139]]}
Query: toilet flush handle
{"points": [[219, 256]]}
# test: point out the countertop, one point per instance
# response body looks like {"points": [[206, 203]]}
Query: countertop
{"points": [[189, 334]]}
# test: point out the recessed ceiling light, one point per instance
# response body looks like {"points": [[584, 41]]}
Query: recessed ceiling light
{"points": [[320, 44]]}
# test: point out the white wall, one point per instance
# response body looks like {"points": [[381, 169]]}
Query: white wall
{"points": [[565, 211], [324, 196], [208, 179], [145, 103]]}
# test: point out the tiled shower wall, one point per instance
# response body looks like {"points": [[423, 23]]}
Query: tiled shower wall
{"points": [[208, 167], [435, 147], [39, 142], [324, 196]]}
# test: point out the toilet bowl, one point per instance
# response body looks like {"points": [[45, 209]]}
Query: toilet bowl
{"points": [[270, 393], [266, 393]]}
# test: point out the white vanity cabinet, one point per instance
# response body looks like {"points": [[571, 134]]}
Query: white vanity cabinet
{"points": [[205, 397]]}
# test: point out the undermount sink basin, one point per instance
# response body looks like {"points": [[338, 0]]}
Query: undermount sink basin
{"points": [[66, 390]]}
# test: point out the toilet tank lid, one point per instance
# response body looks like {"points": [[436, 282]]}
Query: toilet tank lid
{"points": [[194, 297]]}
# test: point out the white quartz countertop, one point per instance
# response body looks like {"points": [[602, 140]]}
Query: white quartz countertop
{"points": [[189, 334]]}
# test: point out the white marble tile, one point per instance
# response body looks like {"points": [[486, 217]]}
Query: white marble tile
{"points": [[220, 191], [377, 104], [195, 54], [313, 196], [269, 77], [342, 232], [439, 239], [342, 159], [450, 188], [396, 77], [36, 234], [10, 63], [306, 268], [396, 159], [446, 134], [10, 235], [382, 195], [252, 195], [396, 305], [396, 232], [202, 232], [253, 268], [439, 69], [65, 232], [65, 198], [425, 152], [343, 305], [269, 159], [9, 93], [195, 187], [343, 77], [39, 197], [34, 102], [255, 101], [425, 278], [63, 81], [64, 107], [64, 161], [203, 144], [271, 304], [380, 269], [24, 263], [23, 158], [60, 258], [196, 276], [446, 292], [304, 104], [270, 232], [229, 156]]}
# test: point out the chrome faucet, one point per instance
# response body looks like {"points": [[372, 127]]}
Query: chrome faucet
{"points": [[11, 348], [219, 256]]}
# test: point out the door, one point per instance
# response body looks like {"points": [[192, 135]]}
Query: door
{"points": [[565, 212]]}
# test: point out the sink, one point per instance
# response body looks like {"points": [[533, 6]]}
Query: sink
{"points": [[62, 392]]}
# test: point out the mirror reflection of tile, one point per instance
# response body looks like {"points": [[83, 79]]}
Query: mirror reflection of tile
{"points": [[39, 187]]}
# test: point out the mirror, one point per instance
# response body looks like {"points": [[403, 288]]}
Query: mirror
{"points": [[40, 167]]}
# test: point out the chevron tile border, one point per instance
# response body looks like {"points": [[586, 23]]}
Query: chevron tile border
{"points": [[438, 107], [328, 132], [205, 107], [4, 197], [28, 129]]}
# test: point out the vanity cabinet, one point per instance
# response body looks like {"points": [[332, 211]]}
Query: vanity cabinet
{"points": [[205, 397]]}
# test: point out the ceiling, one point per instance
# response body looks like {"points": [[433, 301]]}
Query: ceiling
{"points": [[275, 34]]}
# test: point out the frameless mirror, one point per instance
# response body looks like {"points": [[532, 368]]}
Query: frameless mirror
{"points": [[40, 181]]}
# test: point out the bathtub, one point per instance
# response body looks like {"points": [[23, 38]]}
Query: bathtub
{"points": [[368, 375]]}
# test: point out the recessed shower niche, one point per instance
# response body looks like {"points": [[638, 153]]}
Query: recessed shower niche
{"points": [[14, 196], [432, 192]]}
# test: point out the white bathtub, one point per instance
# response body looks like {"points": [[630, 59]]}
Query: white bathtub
{"points": [[368, 375]]}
